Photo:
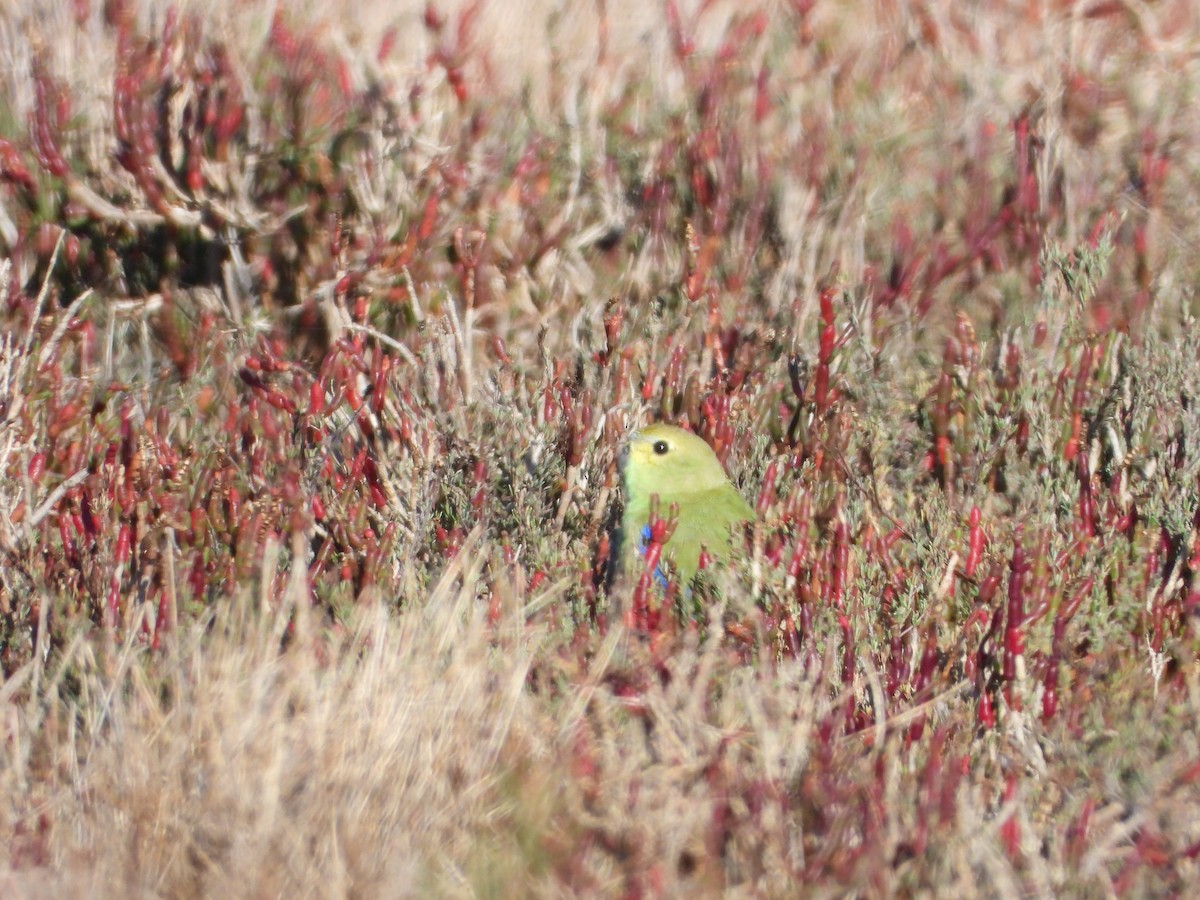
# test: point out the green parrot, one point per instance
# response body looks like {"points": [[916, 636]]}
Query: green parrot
{"points": [[681, 469]]}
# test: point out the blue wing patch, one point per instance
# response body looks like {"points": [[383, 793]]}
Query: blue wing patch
{"points": [[643, 540]]}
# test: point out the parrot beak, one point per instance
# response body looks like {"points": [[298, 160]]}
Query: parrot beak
{"points": [[627, 445]]}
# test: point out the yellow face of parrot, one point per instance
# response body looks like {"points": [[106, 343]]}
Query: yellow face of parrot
{"points": [[681, 469]]}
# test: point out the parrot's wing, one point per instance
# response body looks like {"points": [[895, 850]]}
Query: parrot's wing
{"points": [[706, 520]]}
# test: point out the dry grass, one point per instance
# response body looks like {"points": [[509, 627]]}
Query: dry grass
{"points": [[431, 754], [321, 330]]}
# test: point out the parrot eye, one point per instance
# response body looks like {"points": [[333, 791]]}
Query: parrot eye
{"points": [[661, 448]]}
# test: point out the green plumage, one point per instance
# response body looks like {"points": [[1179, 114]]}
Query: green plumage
{"points": [[681, 469]]}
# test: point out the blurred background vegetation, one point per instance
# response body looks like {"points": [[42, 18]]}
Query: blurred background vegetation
{"points": [[322, 327]]}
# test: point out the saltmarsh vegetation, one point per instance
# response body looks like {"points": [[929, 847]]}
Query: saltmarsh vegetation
{"points": [[321, 332]]}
